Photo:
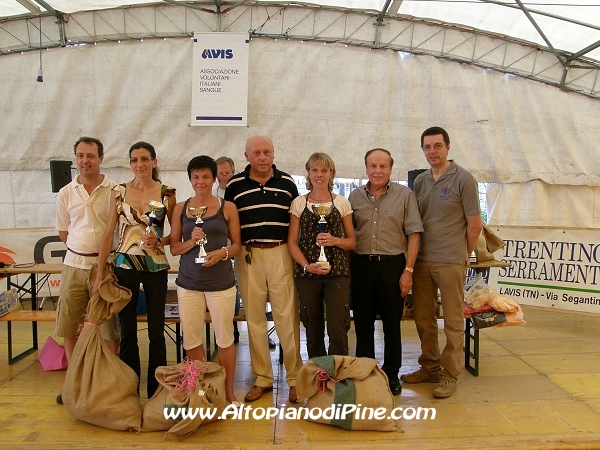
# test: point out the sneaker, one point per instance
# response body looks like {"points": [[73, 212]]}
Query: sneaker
{"points": [[446, 388], [421, 376]]}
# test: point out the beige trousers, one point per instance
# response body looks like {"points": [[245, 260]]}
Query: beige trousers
{"points": [[450, 279], [270, 275]]}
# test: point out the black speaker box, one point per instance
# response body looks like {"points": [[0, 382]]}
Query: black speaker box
{"points": [[60, 174], [412, 174]]}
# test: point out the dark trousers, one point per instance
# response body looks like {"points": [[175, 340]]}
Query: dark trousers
{"points": [[155, 289], [330, 296], [376, 289]]}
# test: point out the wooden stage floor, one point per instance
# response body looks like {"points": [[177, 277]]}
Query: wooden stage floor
{"points": [[539, 387]]}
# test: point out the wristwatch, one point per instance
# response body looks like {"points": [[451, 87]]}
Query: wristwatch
{"points": [[409, 269]]}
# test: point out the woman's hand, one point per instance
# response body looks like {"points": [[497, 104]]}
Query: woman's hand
{"points": [[150, 240], [214, 257], [327, 240], [316, 269], [197, 234]]}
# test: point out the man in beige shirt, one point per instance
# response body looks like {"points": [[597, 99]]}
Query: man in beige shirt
{"points": [[82, 209], [387, 225]]}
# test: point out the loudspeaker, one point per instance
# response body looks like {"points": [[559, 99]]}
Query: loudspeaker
{"points": [[60, 174], [412, 174]]}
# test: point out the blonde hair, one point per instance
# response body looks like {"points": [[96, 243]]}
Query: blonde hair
{"points": [[325, 160]]}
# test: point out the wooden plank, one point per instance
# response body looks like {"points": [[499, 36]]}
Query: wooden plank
{"points": [[23, 315], [53, 269]]}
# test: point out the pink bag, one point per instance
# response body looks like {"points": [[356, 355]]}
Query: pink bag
{"points": [[52, 356]]}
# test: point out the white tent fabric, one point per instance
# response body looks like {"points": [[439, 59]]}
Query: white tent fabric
{"points": [[537, 204], [503, 18], [306, 96]]}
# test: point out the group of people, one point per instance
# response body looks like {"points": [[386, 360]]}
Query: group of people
{"points": [[312, 257]]}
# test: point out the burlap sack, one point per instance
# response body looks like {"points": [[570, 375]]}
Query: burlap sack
{"points": [[487, 244], [192, 385], [346, 380], [99, 388]]}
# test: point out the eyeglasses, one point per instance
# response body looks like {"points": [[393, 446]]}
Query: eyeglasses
{"points": [[248, 257], [437, 147], [144, 159]]}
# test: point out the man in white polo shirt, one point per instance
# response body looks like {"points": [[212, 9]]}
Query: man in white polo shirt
{"points": [[82, 209]]}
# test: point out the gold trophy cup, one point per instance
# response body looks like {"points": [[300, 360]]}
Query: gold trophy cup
{"points": [[154, 207], [198, 212], [322, 209]]}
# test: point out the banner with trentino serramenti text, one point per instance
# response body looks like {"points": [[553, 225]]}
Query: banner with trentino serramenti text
{"points": [[557, 268]]}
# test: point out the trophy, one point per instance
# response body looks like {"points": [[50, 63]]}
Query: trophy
{"points": [[322, 209], [154, 207], [198, 212]]}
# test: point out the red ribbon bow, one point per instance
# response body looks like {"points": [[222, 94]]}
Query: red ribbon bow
{"points": [[323, 377], [187, 381]]}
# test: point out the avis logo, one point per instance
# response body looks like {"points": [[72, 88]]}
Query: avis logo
{"points": [[214, 53]]}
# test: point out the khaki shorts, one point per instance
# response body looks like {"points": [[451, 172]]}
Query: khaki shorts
{"points": [[192, 306], [75, 293]]}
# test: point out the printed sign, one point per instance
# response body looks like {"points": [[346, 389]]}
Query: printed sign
{"points": [[220, 79], [558, 268]]}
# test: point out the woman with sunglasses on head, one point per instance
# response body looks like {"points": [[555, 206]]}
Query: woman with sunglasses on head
{"points": [[322, 291], [209, 282], [139, 208]]}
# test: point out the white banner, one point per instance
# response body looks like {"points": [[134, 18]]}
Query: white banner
{"points": [[220, 79], [557, 268], [31, 245], [43, 246]]}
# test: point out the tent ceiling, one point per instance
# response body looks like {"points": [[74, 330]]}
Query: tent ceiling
{"points": [[557, 41], [569, 25]]}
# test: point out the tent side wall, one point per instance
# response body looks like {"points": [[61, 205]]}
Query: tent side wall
{"points": [[306, 96]]}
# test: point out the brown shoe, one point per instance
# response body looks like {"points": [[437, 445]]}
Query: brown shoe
{"points": [[256, 392], [293, 397], [421, 376]]}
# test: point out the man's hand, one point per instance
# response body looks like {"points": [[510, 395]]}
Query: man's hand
{"points": [[406, 283], [96, 287]]}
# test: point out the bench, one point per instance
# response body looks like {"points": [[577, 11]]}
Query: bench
{"points": [[34, 316], [471, 346]]}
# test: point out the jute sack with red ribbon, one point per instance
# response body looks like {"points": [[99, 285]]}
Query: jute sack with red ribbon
{"points": [[190, 385], [100, 388], [338, 384]]}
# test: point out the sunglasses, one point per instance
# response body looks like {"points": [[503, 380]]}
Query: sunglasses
{"points": [[248, 257]]}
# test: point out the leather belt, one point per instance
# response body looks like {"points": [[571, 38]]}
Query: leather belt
{"points": [[377, 257], [82, 254], [265, 244]]}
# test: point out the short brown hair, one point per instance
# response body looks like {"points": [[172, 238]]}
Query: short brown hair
{"points": [[90, 140], [225, 159]]}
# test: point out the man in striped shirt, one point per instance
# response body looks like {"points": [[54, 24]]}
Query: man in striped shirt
{"points": [[264, 267]]}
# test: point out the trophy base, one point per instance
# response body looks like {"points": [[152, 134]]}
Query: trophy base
{"points": [[200, 260], [323, 264]]}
